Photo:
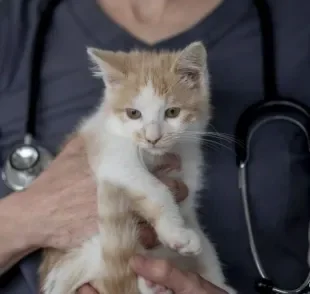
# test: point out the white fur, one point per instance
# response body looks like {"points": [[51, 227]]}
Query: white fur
{"points": [[120, 163]]}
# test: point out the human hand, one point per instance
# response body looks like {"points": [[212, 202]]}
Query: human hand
{"points": [[62, 201], [86, 289], [163, 273], [63, 198]]}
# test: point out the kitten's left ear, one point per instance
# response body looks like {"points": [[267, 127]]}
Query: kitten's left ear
{"points": [[108, 66], [191, 64]]}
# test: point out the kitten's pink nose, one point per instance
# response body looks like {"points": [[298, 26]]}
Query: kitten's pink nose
{"points": [[152, 133], [153, 141]]}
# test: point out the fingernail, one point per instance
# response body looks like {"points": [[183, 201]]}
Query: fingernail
{"points": [[172, 183], [175, 186], [137, 262], [149, 283]]}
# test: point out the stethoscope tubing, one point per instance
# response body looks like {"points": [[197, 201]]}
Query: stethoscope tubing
{"points": [[243, 188], [271, 108], [252, 119]]}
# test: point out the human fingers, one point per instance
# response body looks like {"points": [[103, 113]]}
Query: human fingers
{"points": [[86, 289], [163, 273], [170, 161], [147, 235], [177, 187]]}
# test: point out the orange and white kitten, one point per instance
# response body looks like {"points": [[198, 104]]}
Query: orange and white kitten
{"points": [[154, 103]]}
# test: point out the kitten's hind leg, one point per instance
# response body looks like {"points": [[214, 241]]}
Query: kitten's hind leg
{"points": [[75, 269]]}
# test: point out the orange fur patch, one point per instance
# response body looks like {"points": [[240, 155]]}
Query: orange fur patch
{"points": [[120, 226], [137, 69]]}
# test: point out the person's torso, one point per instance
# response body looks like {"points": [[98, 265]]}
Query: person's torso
{"points": [[278, 173]]}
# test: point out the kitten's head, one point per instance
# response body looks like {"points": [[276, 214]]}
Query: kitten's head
{"points": [[155, 98]]}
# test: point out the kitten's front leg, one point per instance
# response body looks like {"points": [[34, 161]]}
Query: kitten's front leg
{"points": [[155, 202], [151, 199]]}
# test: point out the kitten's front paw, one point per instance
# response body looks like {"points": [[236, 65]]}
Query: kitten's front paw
{"points": [[186, 242], [146, 287], [183, 240]]}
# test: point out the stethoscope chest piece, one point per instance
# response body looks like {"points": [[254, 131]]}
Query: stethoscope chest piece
{"points": [[24, 165]]}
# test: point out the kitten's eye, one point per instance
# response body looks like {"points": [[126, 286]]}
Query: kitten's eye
{"points": [[133, 113], [172, 112]]}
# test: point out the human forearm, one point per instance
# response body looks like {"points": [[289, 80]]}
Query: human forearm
{"points": [[17, 235]]}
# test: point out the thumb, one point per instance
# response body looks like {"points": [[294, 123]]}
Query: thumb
{"points": [[86, 289], [161, 272]]}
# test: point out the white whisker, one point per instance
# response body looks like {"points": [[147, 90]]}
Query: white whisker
{"points": [[223, 136], [192, 137]]}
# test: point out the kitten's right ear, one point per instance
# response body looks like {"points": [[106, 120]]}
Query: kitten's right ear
{"points": [[191, 64], [108, 66]]}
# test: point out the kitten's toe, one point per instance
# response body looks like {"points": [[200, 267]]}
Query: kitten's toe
{"points": [[185, 241]]}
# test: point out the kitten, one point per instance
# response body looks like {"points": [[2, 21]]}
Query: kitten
{"points": [[154, 103]]}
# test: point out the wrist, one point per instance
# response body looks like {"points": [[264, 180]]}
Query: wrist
{"points": [[20, 222]]}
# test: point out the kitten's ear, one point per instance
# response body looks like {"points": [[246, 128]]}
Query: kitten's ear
{"points": [[191, 64], [108, 66]]}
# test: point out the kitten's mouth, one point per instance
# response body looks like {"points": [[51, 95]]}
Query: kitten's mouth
{"points": [[155, 150]]}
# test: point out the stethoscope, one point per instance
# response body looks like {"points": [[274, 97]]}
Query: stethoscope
{"points": [[271, 108], [27, 160]]}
